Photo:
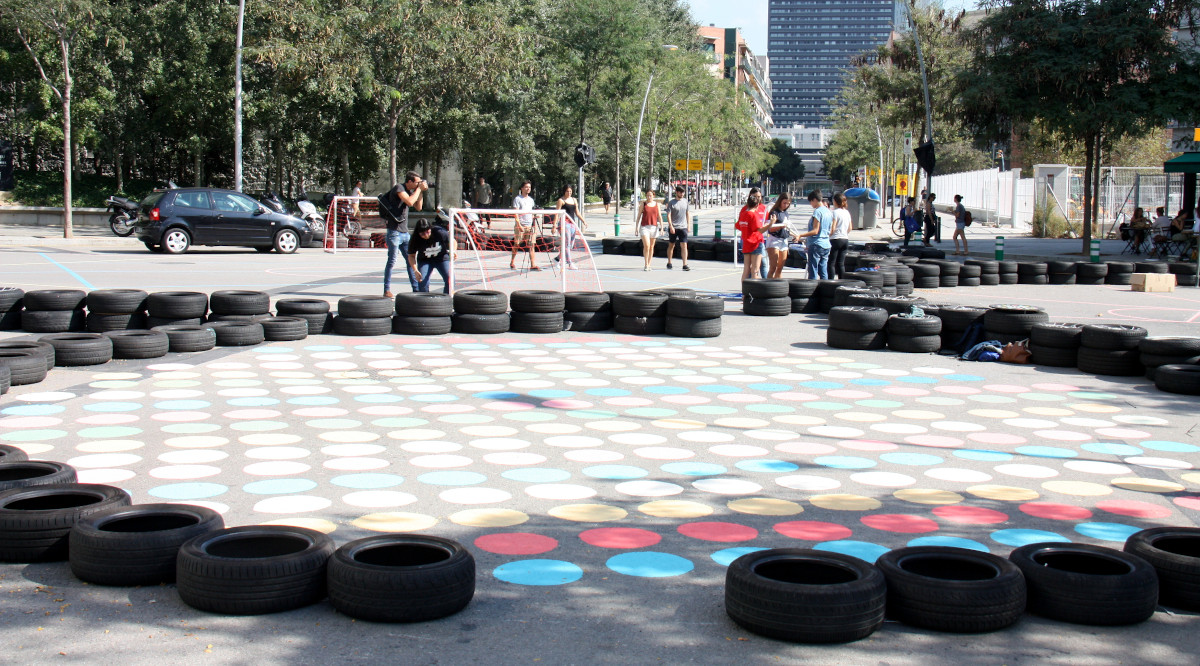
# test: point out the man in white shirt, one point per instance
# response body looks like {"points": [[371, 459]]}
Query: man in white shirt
{"points": [[523, 229]]}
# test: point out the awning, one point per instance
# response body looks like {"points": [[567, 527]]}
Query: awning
{"points": [[1185, 163]]}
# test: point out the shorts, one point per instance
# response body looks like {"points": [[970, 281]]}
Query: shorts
{"points": [[648, 231], [522, 233], [678, 235], [960, 226], [775, 242]]}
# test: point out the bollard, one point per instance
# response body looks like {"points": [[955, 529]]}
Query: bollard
{"points": [[617, 222], [919, 237], [695, 225], [999, 248], [717, 232], [1095, 250]]}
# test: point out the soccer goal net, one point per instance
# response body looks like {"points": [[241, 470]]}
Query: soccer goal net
{"points": [[353, 223]]}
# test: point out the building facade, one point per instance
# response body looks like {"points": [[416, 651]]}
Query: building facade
{"points": [[811, 44], [808, 143], [750, 74]]}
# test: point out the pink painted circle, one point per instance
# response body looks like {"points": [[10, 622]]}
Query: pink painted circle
{"points": [[1006, 388], [957, 390], [1134, 508], [812, 530], [935, 441], [566, 404], [1053, 511], [1055, 387], [900, 522], [516, 543], [1192, 502], [686, 399], [867, 445], [970, 515], [718, 531], [795, 397], [997, 438], [805, 448], [848, 394], [620, 537]]}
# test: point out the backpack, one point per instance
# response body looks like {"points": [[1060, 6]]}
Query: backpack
{"points": [[967, 218]]}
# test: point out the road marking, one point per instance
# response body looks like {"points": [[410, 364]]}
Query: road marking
{"points": [[77, 276]]}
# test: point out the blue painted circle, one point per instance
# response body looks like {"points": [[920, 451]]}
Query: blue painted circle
{"points": [[1022, 537], [367, 481], [770, 388], [607, 392], [1112, 449], [963, 378], [727, 556], [870, 381], [719, 388], [615, 472], [252, 402], [188, 491], [1107, 531], [821, 385], [279, 486], [313, 400], [537, 475], [863, 550], [916, 459], [985, 455], [1173, 447], [693, 468], [452, 478], [914, 379], [649, 564], [769, 466], [949, 541], [1046, 452], [32, 410], [496, 395], [844, 462], [538, 572]]}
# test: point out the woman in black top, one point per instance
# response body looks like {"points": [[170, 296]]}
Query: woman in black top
{"points": [[428, 250]]}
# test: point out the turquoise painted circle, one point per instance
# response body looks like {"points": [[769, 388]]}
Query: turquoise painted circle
{"points": [[914, 459], [914, 379], [949, 542], [452, 478], [712, 410], [538, 572], [844, 462], [1046, 452], [767, 466], [693, 468], [367, 481], [963, 378], [727, 556], [32, 435], [550, 394], [870, 381], [32, 410], [188, 491], [279, 486], [880, 404], [770, 388], [615, 472], [649, 564], [828, 406], [719, 388], [252, 402], [1022, 537], [983, 455], [821, 385], [537, 475], [1107, 531], [1173, 447], [496, 395], [863, 550], [1112, 449], [666, 390]]}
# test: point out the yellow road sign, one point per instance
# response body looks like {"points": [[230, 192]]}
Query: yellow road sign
{"points": [[681, 165], [902, 185], [695, 165]]}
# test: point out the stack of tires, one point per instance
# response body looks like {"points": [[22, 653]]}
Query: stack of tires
{"points": [[314, 312], [1185, 273], [1008, 272], [611, 245], [239, 305], [641, 312], [587, 311], [1088, 273], [826, 289], [904, 279], [1055, 344], [845, 293], [1119, 273], [10, 308], [632, 248], [970, 276], [53, 311], [956, 319], [802, 294], [1060, 272], [176, 308], [138, 344], [1086, 584], [1012, 323], [989, 271], [189, 337], [766, 298], [925, 275], [952, 589], [423, 313], [949, 272], [857, 327], [537, 311], [695, 316], [284, 328], [116, 310], [899, 304], [701, 250], [1111, 349], [1153, 267], [480, 311], [915, 335], [1032, 272], [25, 362], [77, 349], [361, 315], [1158, 351], [723, 251], [1173, 552]]}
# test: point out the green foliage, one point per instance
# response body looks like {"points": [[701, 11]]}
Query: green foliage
{"points": [[1048, 221], [44, 188], [789, 168]]}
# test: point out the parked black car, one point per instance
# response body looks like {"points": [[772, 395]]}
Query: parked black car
{"points": [[173, 220]]}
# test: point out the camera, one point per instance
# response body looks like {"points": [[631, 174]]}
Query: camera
{"points": [[429, 183]]}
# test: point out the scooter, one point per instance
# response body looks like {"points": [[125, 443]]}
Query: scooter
{"points": [[124, 215], [315, 220]]}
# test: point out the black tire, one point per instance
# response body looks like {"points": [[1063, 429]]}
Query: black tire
{"points": [[1112, 336], [1061, 267], [1138, 267], [923, 270], [421, 325], [480, 302], [688, 327], [1183, 379], [858, 319], [1116, 362], [253, 570], [1032, 268], [237, 334], [1184, 280], [969, 281], [770, 288], [986, 266], [948, 281], [424, 304], [700, 306], [1118, 278], [927, 283], [213, 318], [805, 596], [1009, 278], [537, 301], [899, 304], [5, 384], [25, 366], [281, 329], [960, 317], [155, 322], [588, 321], [1061, 278], [1055, 334], [239, 302], [1033, 279], [801, 288], [1087, 584], [970, 271], [182, 338], [641, 304], [869, 278], [177, 304], [952, 589], [932, 253], [827, 288], [989, 279], [947, 267], [27, 473], [286, 241], [1055, 357], [366, 307], [53, 321], [11, 454], [45, 349], [137, 544], [767, 307], [839, 339], [362, 326], [117, 301], [536, 322], [801, 305], [1154, 360], [103, 323], [586, 301], [175, 241], [1174, 552], [1162, 345], [1014, 320], [914, 326], [10, 320], [11, 298], [35, 522], [76, 349], [841, 296], [480, 323], [683, 292], [317, 323], [1089, 271], [1182, 268], [401, 578], [914, 344], [139, 344], [639, 325], [55, 299], [296, 306], [1119, 267]]}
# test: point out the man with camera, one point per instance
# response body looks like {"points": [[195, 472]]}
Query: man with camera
{"points": [[393, 207]]}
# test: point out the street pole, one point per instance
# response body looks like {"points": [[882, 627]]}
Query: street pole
{"points": [[637, 146], [237, 100]]}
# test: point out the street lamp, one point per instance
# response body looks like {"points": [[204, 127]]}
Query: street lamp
{"points": [[637, 146], [237, 101]]}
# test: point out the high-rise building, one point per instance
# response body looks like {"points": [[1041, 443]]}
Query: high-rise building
{"points": [[811, 43], [750, 74]]}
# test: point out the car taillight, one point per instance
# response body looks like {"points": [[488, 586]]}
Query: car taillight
{"points": [[154, 214]]}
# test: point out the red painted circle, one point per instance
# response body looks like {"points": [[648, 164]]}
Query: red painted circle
{"points": [[971, 515], [1054, 511], [1134, 508], [900, 522], [1192, 502], [516, 543], [812, 530], [715, 531], [620, 537]]}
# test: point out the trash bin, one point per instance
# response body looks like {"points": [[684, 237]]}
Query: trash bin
{"points": [[863, 204]]}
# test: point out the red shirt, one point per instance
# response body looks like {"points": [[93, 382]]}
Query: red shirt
{"points": [[749, 222]]}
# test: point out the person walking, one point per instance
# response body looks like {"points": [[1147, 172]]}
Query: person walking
{"points": [[394, 206], [606, 195], [960, 225], [356, 192], [648, 224], [429, 251], [839, 237], [523, 230], [777, 233], [750, 225], [570, 223], [677, 215], [481, 197], [819, 226], [932, 222], [909, 215]]}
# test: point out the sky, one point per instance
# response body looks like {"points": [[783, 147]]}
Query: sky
{"points": [[751, 17]]}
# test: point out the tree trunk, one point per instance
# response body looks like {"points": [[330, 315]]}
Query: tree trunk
{"points": [[1089, 161], [344, 154], [617, 161], [68, 224], [1096, 225], [393, 120], [120, 169]]}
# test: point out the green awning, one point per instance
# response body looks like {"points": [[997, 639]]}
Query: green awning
{"points": [[1185, 163]]}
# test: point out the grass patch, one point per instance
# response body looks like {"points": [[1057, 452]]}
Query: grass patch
{"points": [[45, 188], [1048, 222]]}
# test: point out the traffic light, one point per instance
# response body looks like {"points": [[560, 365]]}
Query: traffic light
{"points": [[584, 155], [925, 157]]}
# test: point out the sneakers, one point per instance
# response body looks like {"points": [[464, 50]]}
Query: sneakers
{"points": [[646, 269], [686, 267], [669, 265]]}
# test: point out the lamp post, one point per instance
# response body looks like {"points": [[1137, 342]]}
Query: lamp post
{"points": [[237, 101], [637, 146]]}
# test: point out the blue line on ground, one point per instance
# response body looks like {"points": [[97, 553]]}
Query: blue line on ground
{"points": [[70, 272]]}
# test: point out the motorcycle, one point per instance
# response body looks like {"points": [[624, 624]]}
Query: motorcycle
{"points": [[124, 215], [315, 220]]}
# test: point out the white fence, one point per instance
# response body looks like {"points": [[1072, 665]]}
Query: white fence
{"points": [[989, 193]]}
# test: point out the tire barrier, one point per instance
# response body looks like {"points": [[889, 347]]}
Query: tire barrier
{"points": [[36, 521], [136, 544], [1174, 552], [1167, 350], [696, 315], [401, 578], [1086, 584], [1111, 349], [952, 589], [857, 327], [17, 472], [1012, 322], [1055, 344]]}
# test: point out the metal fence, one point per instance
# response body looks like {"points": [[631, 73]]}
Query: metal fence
{"points": [[989, 191]]}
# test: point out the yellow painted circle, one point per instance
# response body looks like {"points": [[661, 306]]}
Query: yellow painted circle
{"points": [[844, 502], [1191, 477], [318, 524], [994, 413], [861, 417], [918, 414], [741, 423], [489, 517], [1049, 411], [927, 496], [1143, 485], [394, 522], [588, 513], [1003, 493], [764, 506], [1077, 488], [675, 509], [1095, 408], [678, 424]]}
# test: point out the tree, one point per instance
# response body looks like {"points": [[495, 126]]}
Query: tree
{"points": [[789, 168]]}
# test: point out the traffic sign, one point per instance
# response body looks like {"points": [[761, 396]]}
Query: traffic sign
{"points": [[681, 165], [901, 185], [695, 165]]}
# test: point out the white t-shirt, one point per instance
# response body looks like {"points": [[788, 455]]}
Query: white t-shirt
{"points": [[841, 224], [522, 202]]}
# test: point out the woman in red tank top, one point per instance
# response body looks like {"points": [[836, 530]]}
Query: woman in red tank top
{"points": [[648, 223]]}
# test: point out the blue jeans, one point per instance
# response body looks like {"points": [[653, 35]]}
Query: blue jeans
{"points": [[762, 262], [397, 244], [442, 267], [818, 262]]}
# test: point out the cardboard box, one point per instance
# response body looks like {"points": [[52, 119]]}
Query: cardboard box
{"points": [[1152, 282]]}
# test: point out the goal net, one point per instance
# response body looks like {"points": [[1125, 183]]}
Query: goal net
{"points": [[353, 223]]}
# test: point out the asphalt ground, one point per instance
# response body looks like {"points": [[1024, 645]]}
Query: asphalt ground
{"points": [[602, 481]]}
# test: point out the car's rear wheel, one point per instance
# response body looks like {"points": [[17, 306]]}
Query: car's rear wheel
{"points": [[151, 246], [176, 241], [286, 241]]}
